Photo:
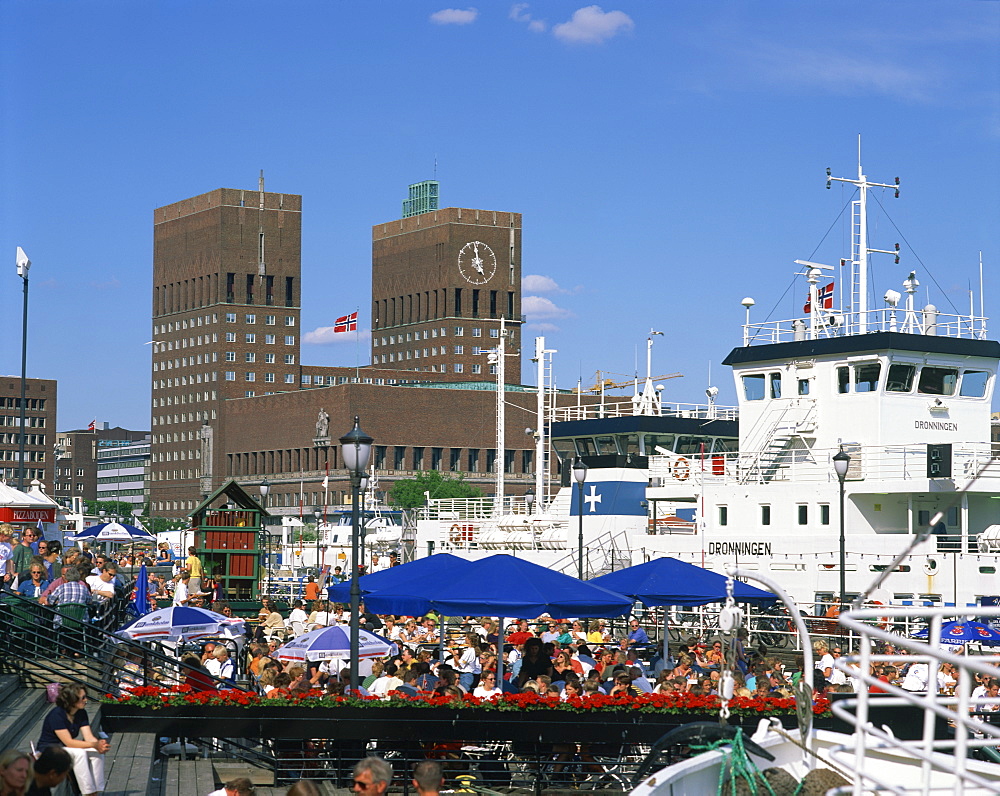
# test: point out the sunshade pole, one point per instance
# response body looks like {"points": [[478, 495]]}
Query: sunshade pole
{"points": [[500, 646], [666, 634]]}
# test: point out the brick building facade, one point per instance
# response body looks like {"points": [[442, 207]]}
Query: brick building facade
{"points": [[39, 430]]}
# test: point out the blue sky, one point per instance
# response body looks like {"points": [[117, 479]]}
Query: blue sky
{"points": [[668, 158]]}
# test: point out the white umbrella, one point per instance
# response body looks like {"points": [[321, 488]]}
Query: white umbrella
{"points": [[328, 643], [182, 623], [113, 532]]}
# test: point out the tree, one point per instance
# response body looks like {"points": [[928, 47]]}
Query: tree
{"points": [[112, 509], [409, 492]]}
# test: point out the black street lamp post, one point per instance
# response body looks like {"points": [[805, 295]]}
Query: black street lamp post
{"points": [[841, 462], [580, 474], [356, 449], [265, 488]]}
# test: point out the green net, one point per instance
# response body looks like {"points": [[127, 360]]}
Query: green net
{"points": [[738, 774]]}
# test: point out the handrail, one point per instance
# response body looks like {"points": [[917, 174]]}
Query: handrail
{"points": [[80, 651]]}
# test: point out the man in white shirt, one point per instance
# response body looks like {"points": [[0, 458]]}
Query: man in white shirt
{"points": [[297, 614], [181, 594], [219, 665], [916, 677], [102, 586]]}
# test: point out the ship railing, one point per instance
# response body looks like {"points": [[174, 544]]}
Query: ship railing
{"points": [[868, 462], [691, 470], [450, 509], [625, 408], [951, 705], [835, 324]]}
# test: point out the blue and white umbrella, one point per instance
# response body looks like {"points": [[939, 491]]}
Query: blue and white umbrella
{"points": [[959, 632], [328, 643], [113, 532], [182, 623]]}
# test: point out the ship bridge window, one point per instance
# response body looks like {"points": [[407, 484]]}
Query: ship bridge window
{"points": [[564, 448], [843, 379], [937, 381], [775, 379], [653, 441], [584, 446], [630, 442], [866, 377], [692, 446], [753, 387], [900, 378], [606, 445], [974, 383], [724, 445], [803, 386]]}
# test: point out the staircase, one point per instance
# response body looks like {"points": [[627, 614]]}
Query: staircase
{"points": [[770, 454]]}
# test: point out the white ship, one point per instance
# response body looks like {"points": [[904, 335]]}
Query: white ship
{"points": [[903, 389]]}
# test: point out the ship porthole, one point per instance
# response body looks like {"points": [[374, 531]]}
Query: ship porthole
{"points": [[931, 566]]}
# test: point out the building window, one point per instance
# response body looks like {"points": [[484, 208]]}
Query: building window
{"points": [[230, 317], [269, 378], [250, 356], [289, 359], [458, 367], [289, 320], [460, 349], [289, 339], [765, 515], [269, 339], [251, 319], [476, 350], [418, 458], [398, 458], [249, 394], [494, 332], [473, 460], [269, 320], [230, 337], [230, 375], [824, 513], [477, 332], [251, 376], [477, 368], [459, 331], [803, 513], [493, 370], [306, 378], [251, 337], [230, 356], [269, 359], [289, 378]]}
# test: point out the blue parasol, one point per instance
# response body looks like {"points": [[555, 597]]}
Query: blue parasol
{"points": [[959, 632]]}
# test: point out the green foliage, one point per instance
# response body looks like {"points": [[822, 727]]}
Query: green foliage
{"points": [[111, 508], [409, 493]]}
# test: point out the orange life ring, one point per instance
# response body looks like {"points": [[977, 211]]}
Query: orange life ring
{"points": [[457, 536], [681, 469]]}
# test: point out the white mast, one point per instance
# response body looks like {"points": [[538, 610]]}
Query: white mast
{"points": [[859, 245], [497, 357], [543, 359]]}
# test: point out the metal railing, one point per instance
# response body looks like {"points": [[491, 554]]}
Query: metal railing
{"points": [[619, 407]]}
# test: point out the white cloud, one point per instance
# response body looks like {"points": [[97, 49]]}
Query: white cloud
{"points": [[541, 327], [537, 307], [454, 16], [592, 25], [519, 13], [536, 283], [324, 335]]}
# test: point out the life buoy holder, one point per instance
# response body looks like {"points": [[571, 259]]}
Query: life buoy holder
{"points": [[931, 567], [456, 536], [681, 469]]}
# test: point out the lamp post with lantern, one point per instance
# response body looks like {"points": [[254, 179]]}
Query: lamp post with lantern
{"points": [[841, 463], [580, 475], [265, 488], [356, 449]]}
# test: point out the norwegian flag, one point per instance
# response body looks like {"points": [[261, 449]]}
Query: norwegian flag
{"points": [[346, 323], [825, 296]]}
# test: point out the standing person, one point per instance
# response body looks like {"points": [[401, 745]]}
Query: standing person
{"points": [[6, 552], [50, 769], [24, 552], [182, 588], [428, 778], [466, 663], [311, 590], [49, 549], [372, 776], [14, 769], [68, 725], [193, 565]]}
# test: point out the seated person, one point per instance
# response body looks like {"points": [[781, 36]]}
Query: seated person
{"points": [[68, 725], [36, 582]]}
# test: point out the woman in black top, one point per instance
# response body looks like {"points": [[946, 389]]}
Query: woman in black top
{"points": [[534, 662], [68, 725]]}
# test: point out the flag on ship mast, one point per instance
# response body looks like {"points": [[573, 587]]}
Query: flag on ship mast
{"points": [[346, 323], [824, 296]]}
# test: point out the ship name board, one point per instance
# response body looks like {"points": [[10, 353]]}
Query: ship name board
{"points": [[935, 425], [739, 548]]}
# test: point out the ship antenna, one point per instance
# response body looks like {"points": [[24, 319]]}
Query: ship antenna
{"points": [[261, 268], [859, 244]]}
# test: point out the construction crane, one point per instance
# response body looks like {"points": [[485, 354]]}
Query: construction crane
{"points": [[609, 384]]}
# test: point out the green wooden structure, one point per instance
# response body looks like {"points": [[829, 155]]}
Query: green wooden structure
{"points": [[228, 538]]}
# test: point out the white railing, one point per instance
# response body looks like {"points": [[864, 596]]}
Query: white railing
{"points": [[814, 465], [941, 324], [624, 408]]}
